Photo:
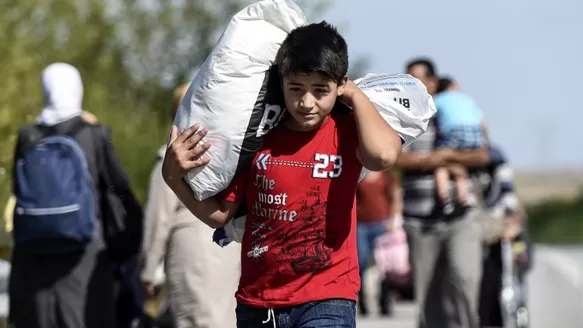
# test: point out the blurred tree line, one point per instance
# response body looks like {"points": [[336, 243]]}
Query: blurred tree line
{"points": [[131, 55], [557, 221]]}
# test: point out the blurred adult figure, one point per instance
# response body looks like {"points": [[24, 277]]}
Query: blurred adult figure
{"points": [[445, 249], [52, 283], [379, 204], [506, 221], [201, 276]]}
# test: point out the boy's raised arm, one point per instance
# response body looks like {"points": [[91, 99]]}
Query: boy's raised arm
{"points": [[213, 211], [379, 144]]}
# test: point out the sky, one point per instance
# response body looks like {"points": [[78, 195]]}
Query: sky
{"points": [[522, 60]]}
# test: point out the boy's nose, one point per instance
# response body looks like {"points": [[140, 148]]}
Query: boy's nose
{"points": [[308, 101]]}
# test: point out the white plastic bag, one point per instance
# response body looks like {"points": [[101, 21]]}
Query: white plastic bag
{"points": [[402, 101], [229, 95]]}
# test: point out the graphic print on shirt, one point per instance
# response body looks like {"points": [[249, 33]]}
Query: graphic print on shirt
{"points": [[268, 204], [321, 168], [259, 233], [304, 250]]}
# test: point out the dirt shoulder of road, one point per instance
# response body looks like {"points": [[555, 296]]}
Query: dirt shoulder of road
{"points": [[534, 187]]}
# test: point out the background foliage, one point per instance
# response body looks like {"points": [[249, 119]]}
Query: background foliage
{"points": [[557, 221], [131, 55]]}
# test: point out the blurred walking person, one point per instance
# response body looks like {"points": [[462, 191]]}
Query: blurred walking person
{"points": [[445, 244], [379, 202], [201, 276], [65, 170], [505, 221]]}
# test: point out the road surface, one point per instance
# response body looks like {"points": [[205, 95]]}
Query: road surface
{"points": [[555, 292]]}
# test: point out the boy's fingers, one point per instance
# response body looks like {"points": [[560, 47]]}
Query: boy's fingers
{"points": [[194, 139], [173, 134], [198, 152], [203, 160], [186, 134], [192, 164]]}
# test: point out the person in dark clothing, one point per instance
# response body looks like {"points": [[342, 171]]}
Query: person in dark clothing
{"points": [[130, 295], [74, 289], [502, 199]]}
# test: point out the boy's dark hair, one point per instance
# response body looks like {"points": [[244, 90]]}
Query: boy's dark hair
{"points": [[314, 48], [444, 84], [426, 62]]}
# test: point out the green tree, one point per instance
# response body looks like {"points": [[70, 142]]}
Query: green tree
{"points": [[131, 54]]}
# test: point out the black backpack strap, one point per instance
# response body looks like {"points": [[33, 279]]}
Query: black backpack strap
{"points": [[77, 125], [47, 130], [31, 134]]}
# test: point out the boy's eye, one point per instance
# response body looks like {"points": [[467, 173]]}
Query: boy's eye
{"points": [[321, 90], [295, 89]]}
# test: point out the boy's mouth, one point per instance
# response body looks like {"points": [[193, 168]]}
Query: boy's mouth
{"points": [[308, 115]]}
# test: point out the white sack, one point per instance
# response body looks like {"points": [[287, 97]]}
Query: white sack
{"points": [[228, 95], [402, 101]]}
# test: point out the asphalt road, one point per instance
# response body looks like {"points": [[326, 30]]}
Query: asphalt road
{"points": [[555, 292]]}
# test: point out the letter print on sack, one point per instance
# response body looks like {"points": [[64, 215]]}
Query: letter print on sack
{"points": [[304, 250]]}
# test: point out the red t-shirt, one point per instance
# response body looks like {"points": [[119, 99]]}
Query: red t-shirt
{"points": [[299, 244]]}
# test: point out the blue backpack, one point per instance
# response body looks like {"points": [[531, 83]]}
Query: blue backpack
{"points": [[55, 196]]}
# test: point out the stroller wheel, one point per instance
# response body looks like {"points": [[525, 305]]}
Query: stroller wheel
{"points": [[522, 318]]}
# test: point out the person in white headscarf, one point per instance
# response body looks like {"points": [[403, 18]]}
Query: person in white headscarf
{"points": [[76, 289], [62, 94]]}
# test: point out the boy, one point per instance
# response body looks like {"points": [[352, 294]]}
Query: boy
{"points": [[459, 125], [299, 258]]}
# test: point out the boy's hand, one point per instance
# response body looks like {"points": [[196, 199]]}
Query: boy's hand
{"points": [[350, 91], [184, 154]]}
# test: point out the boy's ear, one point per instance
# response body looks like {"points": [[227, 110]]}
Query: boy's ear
{"points": [[342, 85]]}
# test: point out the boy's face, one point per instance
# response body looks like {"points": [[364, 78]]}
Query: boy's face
{"points": [[309, 99]]}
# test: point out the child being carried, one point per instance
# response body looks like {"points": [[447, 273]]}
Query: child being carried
{"points": [[459, 126]]}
